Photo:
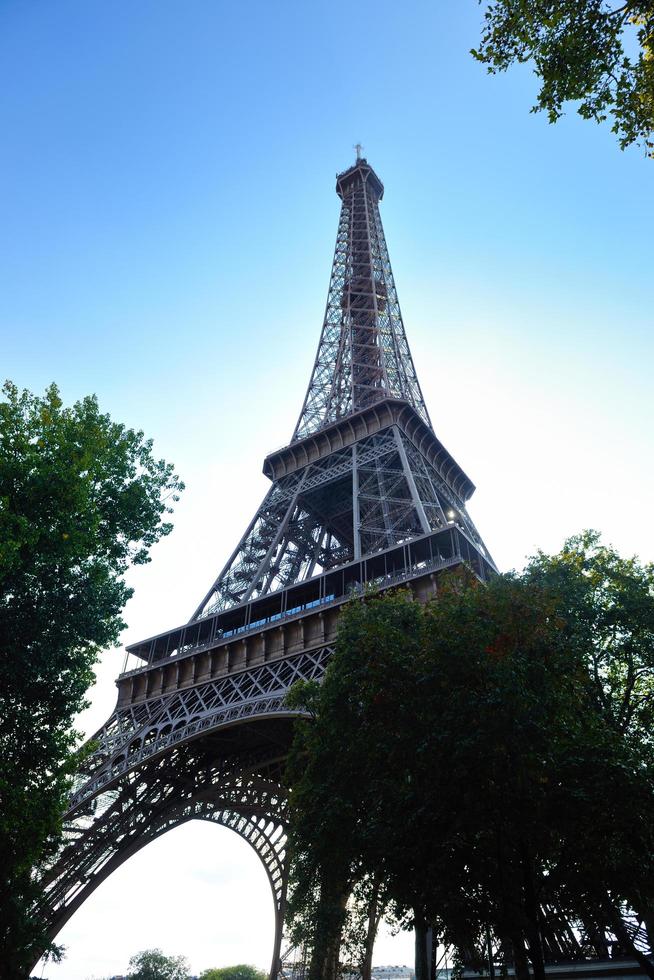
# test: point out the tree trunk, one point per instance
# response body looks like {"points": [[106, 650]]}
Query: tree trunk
{"points": [[536, 951], [371, 933], [520, 960], [331, 916], [330, 966], [532, 910], [422, 965], [366, 966]]}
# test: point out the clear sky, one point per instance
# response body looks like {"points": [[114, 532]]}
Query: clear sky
{"points": [[167, 221]]}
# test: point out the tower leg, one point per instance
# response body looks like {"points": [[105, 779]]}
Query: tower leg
{"points": [[277, 967]]}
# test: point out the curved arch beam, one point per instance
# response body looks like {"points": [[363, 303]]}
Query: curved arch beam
{"points": [[263, 832], [188, 778]]}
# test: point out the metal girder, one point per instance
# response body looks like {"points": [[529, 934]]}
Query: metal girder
{"points": [[398, 495], [439, 499], [292, 518]]}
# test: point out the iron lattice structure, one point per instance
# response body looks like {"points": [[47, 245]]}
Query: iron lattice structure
{"points": [[364, 493]]}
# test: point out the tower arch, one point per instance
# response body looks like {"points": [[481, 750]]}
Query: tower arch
{"points": [[101, 834]]}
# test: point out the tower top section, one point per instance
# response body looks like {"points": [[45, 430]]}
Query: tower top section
{"points": [[363, 355], [359, 173]]}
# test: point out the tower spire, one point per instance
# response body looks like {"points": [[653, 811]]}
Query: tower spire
{"points": [[363, 354]]}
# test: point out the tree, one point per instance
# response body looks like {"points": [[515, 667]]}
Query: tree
{"points": [[240, 972], [608, 605], [368, 905], [582, 52], [555, 808], [455, 755], [340, 773], [152, 964], [495, 697], [81, 498]]}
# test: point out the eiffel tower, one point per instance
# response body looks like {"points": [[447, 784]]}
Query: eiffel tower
{"points": [[363, 495]]}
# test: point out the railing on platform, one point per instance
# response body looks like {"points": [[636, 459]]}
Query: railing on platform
{"points": [[406, 561]]}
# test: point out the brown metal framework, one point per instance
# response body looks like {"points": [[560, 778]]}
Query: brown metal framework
{"points": [[364, 494]]}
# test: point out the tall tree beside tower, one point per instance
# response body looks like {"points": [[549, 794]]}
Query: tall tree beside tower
{"points": [[81, 498]]}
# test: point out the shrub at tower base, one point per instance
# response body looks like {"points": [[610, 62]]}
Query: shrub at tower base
{"points": [[483, 764], [242, 971], [152, 964], [81, 498]]}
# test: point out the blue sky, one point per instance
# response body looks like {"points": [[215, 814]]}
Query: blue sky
{"points": [[167, 220]]}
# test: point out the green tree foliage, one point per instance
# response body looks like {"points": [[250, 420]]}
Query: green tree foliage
{"points": [[608, 605], [241, 971], [81, 498], [555, 808], [152, 964], [598, 54], [456, 755], [332, 764]]}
